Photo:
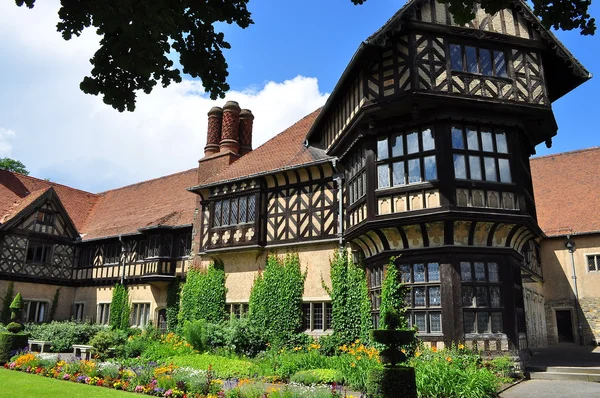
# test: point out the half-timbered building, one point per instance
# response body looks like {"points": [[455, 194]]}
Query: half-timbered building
{"points": [[421, 152]]}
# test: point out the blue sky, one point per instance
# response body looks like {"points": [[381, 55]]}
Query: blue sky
{"points": [[282, 67]]}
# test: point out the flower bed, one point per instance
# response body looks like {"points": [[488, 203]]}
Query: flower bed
{"points": [[160, 380]]}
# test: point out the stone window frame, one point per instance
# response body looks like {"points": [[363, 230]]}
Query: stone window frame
{"points": [[78, 311], [42, 307], [390, 154], [140, 314], [593, 259], [237, 310]]}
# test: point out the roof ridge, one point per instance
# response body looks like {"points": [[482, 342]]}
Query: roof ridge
{"points": [[575, 151], [50, 183], [146, 181]]}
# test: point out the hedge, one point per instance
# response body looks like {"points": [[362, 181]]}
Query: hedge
{"points": [[10, 343]]}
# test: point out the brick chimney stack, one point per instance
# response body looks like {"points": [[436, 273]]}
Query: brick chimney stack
{"points": [[213, 135], [230, 130], [246, 121]]}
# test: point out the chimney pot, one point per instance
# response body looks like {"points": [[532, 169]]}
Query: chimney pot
{"points": [[213, 134], [246, 122], [230, 128]]}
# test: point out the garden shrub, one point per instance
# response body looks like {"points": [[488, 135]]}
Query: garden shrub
{"points": [[119, 308], [203, 295], [54, 304], [225, 368], [391, 382], [10, 343], [329, 344], [275, 306], [173, 299], [8, 297], [351, 306], [195, 334], [392, 296], [63, 334], [317, 376], [14, 327], [106, 339]]}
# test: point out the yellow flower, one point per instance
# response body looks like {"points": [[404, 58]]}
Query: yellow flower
{"points": [[434, 349], [448, 359], [352, 364], [461, 347], [418, 354]]}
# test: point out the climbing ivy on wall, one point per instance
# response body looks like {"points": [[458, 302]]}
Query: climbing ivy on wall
{"points": [[275, 306], [203, 294], [54, 304], [351, 307], [172, 309], [392, 295], [119, 308], [8, 297]]}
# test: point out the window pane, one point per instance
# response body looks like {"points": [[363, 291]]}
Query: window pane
{"points": [[456, 57], [493, 275], [383, 176], [435, 299], [486, 141], [328, 315], [495, 296], [460, 168], [490, 169], [465, 272], [485, 58], [234, 211], [483, 322], [419, 296], [471, 54], [468, 296], [497, 322], [318, 316], [469, 321], [457, 138], [398, 173], [420, 322], [472, 142], [428, 140], [430, 168], [251, 208], [405, 273], [414, 171], [500, 64], [435, 322], [475, 167], [479, 272], [481, 294], [243, 205], [408, 298], [591, 264], [504, 166], [382, 149], [419, 270], [226, 212], [397, 145], [306, 316], [217, 218], [433, 272], [501, 145], [412, 142]]}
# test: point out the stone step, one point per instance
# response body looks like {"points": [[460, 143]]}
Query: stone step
{"points": [[564, 376], [564, 369]]}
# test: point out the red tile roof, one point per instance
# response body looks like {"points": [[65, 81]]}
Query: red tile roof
{"points": [[285, 150], [161, 201], [567, 191], [17, 191]]}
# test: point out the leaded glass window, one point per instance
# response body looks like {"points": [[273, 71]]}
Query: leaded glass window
{"points": [[356, 181], [481, 297], [406, 158], [234, 211], [482, 61], [487, 153], [423, 295]]}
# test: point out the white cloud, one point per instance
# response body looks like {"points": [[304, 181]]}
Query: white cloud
{"points": [[6, 136], [76, 139]]}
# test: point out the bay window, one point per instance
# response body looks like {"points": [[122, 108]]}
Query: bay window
{"points": [[481, 297], [423, 296]]}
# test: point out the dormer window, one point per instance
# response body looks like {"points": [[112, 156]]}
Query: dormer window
{"points": [[44, 218], [481, 61], [406, 158]]}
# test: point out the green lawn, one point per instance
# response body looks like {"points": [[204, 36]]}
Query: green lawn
{"points": [[23, 385]]}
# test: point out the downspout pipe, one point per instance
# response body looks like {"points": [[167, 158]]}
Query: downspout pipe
{"points": [[338, 177], [570, 245], [122, 259]]}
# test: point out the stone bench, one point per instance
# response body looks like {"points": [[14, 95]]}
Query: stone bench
{"points": [[83, 351], [41, 344]]}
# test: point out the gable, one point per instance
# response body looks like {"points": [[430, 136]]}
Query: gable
{"points": [[42, 212]]}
